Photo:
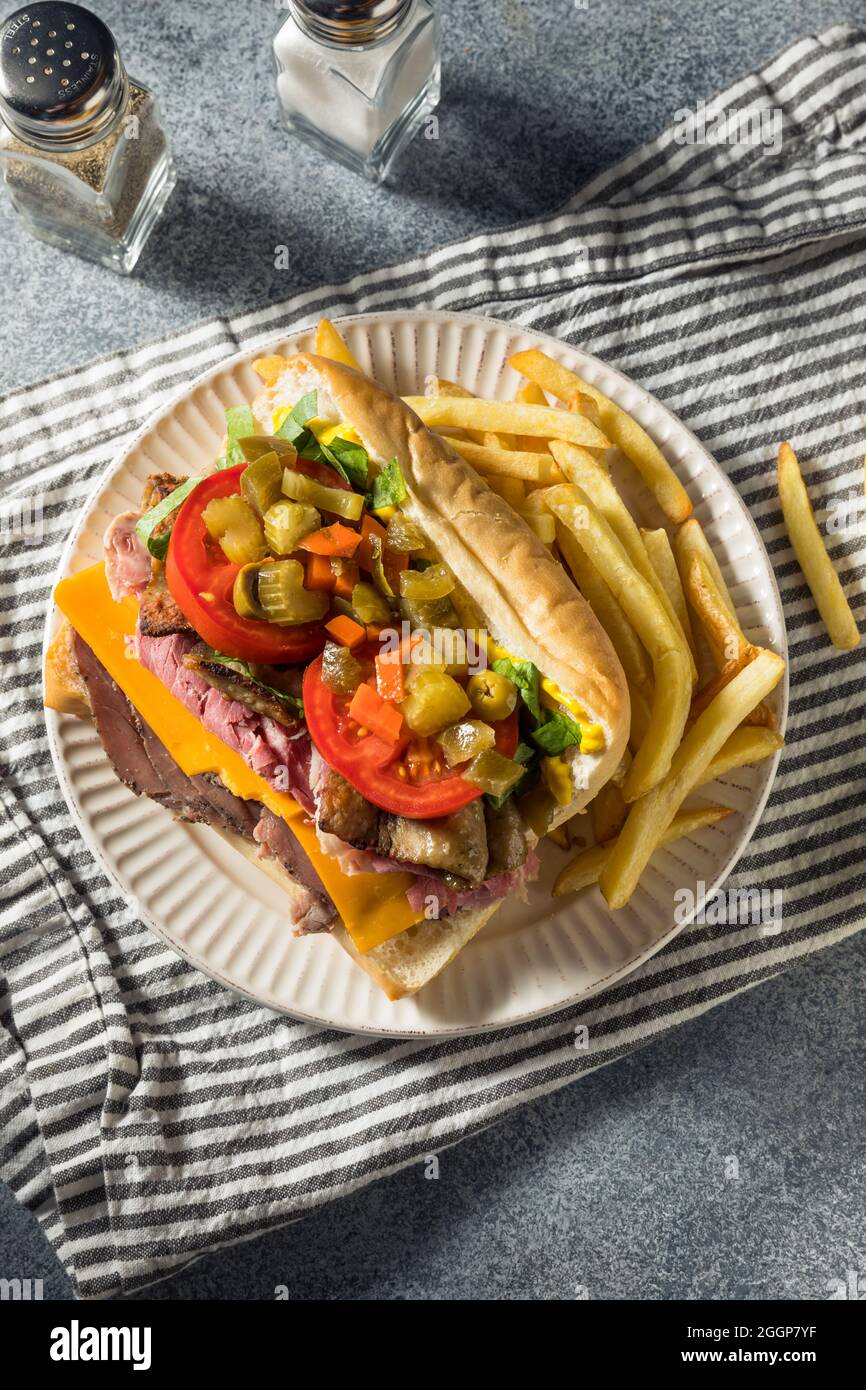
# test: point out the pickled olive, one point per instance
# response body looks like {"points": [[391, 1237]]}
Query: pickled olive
{"points": [[425, 586], [434, 700], [369, 605], [340, 671], [261, 482], [349, 505], [492, 696], [232, 522], [377, 567], [253, 446], [404, 534], [283, 597], [287, 523], [465, 740], [245, 592], [493, 773]]}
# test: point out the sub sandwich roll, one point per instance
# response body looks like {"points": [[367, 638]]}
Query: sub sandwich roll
{"points": [[511, 585]]}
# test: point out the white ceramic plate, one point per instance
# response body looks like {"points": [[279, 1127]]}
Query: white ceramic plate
{"points": [[225, 917]]}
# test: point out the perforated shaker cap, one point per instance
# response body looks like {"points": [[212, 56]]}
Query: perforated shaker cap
{"points": [[62, 81]]}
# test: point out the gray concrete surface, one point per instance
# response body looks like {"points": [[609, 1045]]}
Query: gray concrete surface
{"points": [[616, 1185]]}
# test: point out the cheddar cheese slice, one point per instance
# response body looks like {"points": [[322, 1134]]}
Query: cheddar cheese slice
{"points": [[373, 907]]}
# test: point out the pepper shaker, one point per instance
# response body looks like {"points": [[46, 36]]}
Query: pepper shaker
{"points": [[84, 156], [356, 78]]}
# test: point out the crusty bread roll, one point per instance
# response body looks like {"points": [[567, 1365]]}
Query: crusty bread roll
{"points": [[522, 593]]}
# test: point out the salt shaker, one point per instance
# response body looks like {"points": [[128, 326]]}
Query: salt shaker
{"points": [[84, 156], [356, 78]]}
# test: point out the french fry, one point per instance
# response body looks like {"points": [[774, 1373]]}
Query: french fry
{"points": [[582, 404], [661, 557], [623, 431], [541, 421], [441, 386], [530, 394], [580, 467], [812, 555], [641, 605], [510, 489], [542, 523], [730, 646], [608, 812], [589, 865], [690, 540], [727, 640], [509, 463], [652, 814], [624, 639], [745, 746], [329, 343]]}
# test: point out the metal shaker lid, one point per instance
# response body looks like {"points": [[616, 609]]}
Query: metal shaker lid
{"points": [[62, 81], [350, 21]]}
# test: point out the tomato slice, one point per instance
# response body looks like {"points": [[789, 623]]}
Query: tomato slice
{"points": [[200, 580], [372, 766]]}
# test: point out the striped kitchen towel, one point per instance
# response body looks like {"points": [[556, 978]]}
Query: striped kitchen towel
{"points": [[148, 1115]]}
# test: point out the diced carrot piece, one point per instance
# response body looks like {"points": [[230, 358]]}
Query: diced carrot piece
{"points": [[369, 527], [336, 540], [372, 712], [389, 676], [346, 631], [319, 574]]}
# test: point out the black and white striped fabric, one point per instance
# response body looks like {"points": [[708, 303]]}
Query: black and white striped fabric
{"points": [[147, 1115]]}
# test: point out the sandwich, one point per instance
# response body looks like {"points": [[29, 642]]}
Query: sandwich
{"points": [[348, 655]]}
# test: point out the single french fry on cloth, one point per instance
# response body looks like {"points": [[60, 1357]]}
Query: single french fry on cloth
{"points": [[582, 468], [661, 557], [646, 614], [624, 640], [508, 463], [616, 423], [588, 866], [542, 421], [649, 817], [330, 343], [811, 553]]}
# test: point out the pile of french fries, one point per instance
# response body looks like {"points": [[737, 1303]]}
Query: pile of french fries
{"points": [[659, 594]]}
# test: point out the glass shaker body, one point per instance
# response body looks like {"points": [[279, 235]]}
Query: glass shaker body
{"points": [[359, 102], [97, 188]]}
